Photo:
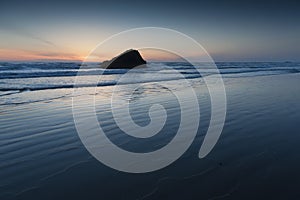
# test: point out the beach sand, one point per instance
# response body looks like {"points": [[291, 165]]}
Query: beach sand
{"points": [[256, 157]]}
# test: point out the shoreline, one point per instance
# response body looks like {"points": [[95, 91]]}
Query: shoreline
{"points": [[258, 141]]}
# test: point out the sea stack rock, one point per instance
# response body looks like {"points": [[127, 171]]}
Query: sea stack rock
{"points": [[127, 60]]}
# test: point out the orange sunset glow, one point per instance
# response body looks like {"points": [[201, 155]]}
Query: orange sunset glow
{"points": [[23, 55]]}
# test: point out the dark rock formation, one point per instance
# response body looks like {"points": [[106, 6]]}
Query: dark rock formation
{"points": [[127, 60]]}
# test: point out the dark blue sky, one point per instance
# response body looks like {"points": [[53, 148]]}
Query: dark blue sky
{"points": [[229, 30]]}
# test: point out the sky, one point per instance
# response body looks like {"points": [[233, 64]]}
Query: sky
{"points": [[228, 30]]}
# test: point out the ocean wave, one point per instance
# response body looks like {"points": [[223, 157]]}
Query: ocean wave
{"points": [[33, 87], [20, 77], [12, 74]]}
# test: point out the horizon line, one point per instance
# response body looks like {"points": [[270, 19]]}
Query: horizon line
{"points": [[151, 61], [217, 61]]}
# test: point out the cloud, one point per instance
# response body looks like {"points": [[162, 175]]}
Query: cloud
{"points": [[25, 33], [55, 54], [23, 55]]}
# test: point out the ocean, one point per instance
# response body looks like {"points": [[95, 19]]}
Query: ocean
{"points": [[256, 157]]}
